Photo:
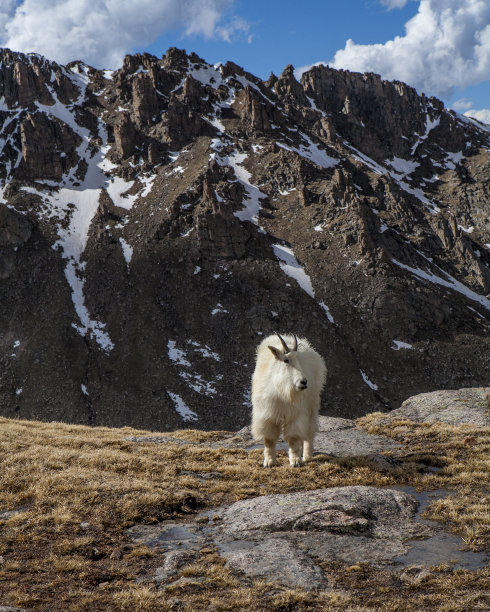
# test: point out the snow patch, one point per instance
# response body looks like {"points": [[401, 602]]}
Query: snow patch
{"points": [[400, 345], [194, 380], [75, 203], [176, 355], [174, 155], [127, 251], [450, 283], [185, 412], [117, 189], [253, 195], [198, 384], [476, 312], [370, 384], [247, 398], [474, 122], [327, 311], [285, 192], [147, 184], [206, 74], [453, 159], [219, 308], [430, 124], [312, 104], [290, 266], [378, 169], [312, 152], [204, 350], [402, 166]]}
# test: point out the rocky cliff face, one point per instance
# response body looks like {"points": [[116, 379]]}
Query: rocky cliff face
{"points": [[157, 220]]}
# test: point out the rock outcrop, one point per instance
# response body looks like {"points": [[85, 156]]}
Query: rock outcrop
{"points": [[48, 148], [466, 406], [280, 537]]}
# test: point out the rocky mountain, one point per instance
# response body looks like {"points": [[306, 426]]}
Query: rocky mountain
{"points": [[157, 220]]}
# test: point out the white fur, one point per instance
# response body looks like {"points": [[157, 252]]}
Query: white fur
{"points": [[280, 403]]}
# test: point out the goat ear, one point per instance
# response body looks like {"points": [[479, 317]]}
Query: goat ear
{"points": [[275, 352]]}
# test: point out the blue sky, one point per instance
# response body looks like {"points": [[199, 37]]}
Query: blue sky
{"points": [[441, 47], [283, 32]]}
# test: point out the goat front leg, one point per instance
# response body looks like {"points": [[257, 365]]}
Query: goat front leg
{"points": [[295, 447], [308, 450], [270, 452]]}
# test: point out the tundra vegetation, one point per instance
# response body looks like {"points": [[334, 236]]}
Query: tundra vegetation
{"points": [[77, 489]]}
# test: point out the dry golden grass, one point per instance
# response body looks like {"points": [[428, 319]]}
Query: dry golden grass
{"points": [[79, 488]]}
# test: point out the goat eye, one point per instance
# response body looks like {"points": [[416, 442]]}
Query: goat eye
{"points": [[286, 361]]}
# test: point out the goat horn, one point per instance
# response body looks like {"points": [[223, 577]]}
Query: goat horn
{"points": [[295, 343], [284, 345]]}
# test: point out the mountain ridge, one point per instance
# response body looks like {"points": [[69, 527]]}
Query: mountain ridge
{"points": [[156, 219]]}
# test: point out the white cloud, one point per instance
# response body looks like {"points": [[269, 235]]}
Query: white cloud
{"points": [[446, 45], [233, 28], [462, 104], [101, 32], [7, 9], [393, 4], [482, 115]]}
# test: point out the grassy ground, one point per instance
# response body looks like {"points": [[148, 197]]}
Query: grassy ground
{"points": [[78, 489]]}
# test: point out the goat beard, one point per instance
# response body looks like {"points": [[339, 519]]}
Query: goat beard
{"points": [[293, 392]]}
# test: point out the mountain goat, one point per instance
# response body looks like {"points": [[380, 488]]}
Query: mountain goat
{"points": [[286, 388]]}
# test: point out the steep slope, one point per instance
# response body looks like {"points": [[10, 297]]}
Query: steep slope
{"points": [[156, 220]]}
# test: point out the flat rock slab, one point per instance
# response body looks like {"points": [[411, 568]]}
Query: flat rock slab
{"points": [[274, 558], [282, 538], [465, 406], [349, 524], [171, 535], [352, 442], [336, 437], [173, 561], [354, 511]]}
